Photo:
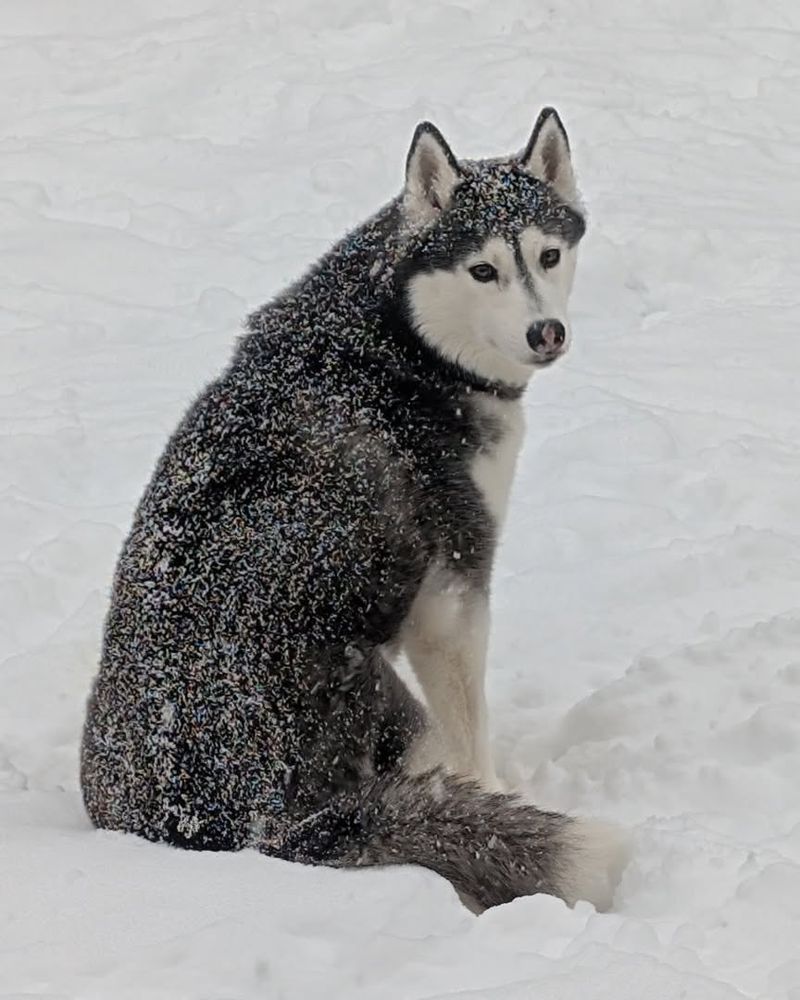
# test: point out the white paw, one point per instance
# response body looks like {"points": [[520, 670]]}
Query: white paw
{"points": [[595, 855]]}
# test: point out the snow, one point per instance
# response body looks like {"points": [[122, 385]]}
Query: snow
{"points": [[166, 167]]}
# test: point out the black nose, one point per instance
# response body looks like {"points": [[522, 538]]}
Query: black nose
{"points": [[547, 336]]}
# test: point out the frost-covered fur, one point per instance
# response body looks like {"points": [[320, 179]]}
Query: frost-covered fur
{"points": [[334, 494]]}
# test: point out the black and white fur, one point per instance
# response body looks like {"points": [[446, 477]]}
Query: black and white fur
{"points": [[334, 497]]}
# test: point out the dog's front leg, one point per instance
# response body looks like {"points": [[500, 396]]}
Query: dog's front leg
{"points": [[445, 640]]}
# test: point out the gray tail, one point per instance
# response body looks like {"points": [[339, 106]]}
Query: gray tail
{"points": [[491, 847]]}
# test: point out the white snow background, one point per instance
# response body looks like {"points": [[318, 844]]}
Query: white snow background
{"points": [[167, 165]]}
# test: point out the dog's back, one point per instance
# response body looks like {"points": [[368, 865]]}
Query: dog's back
{"points": [[270, 525]]}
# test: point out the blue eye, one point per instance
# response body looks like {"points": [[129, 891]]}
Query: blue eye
{"points": [[483, 272]]}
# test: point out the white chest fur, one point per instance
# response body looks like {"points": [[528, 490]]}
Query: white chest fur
{"points": [[493, 466]]}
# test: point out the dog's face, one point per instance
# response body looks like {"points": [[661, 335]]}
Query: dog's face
{"points": [[501, 310], [488, 280]]}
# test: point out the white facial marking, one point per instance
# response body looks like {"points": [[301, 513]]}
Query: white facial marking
{"points": [[483, 325], [553, 285]]}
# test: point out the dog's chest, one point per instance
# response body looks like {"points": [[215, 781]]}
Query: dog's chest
{"points": [[502, 425]]}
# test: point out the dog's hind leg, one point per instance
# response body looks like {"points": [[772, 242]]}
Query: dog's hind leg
{"points": [[445, 639]]}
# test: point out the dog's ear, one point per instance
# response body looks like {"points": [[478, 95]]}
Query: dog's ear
{"points": [[431, 174], [547, 154]]}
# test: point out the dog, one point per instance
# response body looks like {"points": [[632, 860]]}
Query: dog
{"points": [[332, 499]]}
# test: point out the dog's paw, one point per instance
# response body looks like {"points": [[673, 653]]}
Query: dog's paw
{"points": [[595, 854]]}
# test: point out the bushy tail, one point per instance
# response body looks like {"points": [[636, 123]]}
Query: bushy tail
{"points": [[491, 847]]}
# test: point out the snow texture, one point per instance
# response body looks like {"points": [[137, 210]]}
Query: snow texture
{"points": [[164, 168]]}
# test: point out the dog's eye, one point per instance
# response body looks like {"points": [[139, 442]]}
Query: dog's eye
{"points": [[483, 272], [550, 258]]}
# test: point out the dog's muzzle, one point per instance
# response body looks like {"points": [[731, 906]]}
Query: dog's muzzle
{"points": [[546, 339]]}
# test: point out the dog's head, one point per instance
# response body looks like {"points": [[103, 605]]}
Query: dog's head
{"points": [[491, 256]]}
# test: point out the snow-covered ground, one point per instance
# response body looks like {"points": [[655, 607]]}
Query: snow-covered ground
{"points": [[165, 165]]}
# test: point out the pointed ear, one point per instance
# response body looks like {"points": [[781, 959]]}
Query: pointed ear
{"points": [[547, 154], [431, 174]]}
